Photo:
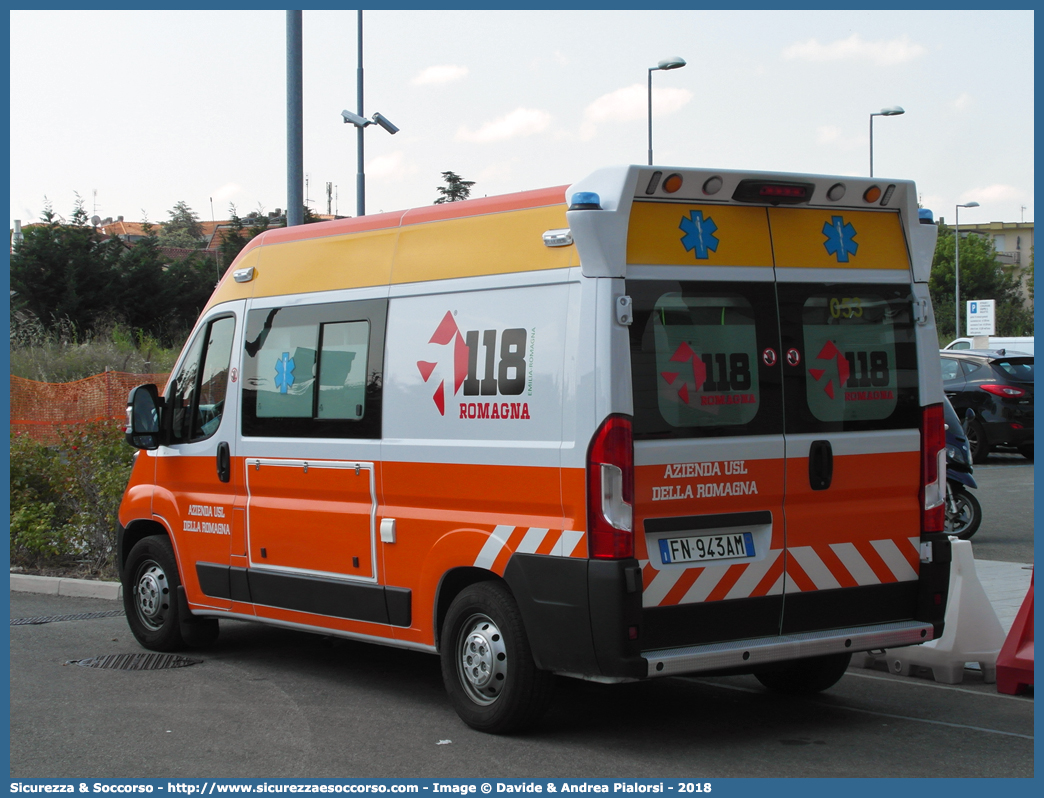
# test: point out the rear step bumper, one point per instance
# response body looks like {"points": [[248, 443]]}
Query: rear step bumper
{"points": [[762, 650]]}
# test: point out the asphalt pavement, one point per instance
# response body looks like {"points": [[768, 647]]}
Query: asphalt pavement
{"points": [[266, 702]]}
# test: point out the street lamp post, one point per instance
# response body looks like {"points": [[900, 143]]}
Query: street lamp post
{"points": [[668, 63], [957, 265], [360, 122], [894, 110]]}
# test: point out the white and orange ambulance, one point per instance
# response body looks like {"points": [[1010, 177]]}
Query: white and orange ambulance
{"points": [[661, 421]]}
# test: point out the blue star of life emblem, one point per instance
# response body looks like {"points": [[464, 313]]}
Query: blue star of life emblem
{"points": [[699, 234], [840, 238], [284, 368]]}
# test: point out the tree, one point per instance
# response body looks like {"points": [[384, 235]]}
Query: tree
{"points": [[981, 277], [456, 188], [64, 271], [235, 238], [183, 230]]}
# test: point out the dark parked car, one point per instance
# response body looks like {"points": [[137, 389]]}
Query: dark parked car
{"points": [[998, 386]]}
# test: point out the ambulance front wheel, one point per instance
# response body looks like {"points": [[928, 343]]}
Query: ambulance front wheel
{"points": [[150, 599], [805, 676], [487, 665]]}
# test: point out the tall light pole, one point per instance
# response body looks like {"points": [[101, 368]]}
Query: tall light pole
{"points": [[668, 63], [361, 122], [957, 265], [895, 110]]}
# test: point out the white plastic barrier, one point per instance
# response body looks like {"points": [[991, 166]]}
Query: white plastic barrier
{"points": [[972, 631]]}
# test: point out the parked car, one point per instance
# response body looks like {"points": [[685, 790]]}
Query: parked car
{"points": [[1022, 344], [998, 386]]}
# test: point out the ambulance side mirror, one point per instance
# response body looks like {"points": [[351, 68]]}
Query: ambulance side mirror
{"points": [[143, 418]]}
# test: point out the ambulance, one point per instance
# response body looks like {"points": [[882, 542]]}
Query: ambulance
{"points": [[662, 421]]}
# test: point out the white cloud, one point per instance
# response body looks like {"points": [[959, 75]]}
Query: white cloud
{"points": [[444, 73], [391, 166], [963, 102], [631, 103], [520, 122], [882, 53], [998, 192]]}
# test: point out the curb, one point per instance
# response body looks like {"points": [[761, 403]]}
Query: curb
{"points": [[60, 586]]}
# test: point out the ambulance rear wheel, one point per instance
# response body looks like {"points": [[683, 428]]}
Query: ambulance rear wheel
{"points": [[150, 593], [805, 676], [487, 664]]}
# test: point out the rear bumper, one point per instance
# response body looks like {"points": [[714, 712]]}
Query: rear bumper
{"points": [[763, 650]]}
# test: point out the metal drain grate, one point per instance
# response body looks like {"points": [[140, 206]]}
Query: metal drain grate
{"points": [[135, 662], [83, 616]]}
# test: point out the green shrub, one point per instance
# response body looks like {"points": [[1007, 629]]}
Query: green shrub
{"points": [[65, 498], [65, 353]]}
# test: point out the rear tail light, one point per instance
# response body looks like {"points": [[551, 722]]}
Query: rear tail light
{"points": [[1004, 391], [776, 192], [610, 491], [933, 469]]}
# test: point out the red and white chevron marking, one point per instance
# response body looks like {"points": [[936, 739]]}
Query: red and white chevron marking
{"points": [[553, 542], [804, 569]]}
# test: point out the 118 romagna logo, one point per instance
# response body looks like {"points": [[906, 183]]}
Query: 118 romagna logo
{"points": [[505, 376]]}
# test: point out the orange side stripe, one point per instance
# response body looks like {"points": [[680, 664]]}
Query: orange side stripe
{"points": [[648, 575], [681, 587], [549, 541], [797, 573], [912, 554], [770, 577], [835, 566], [726, 582], [873, 559]]}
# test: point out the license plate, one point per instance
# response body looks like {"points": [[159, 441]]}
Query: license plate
{"points": [[707, 547]]}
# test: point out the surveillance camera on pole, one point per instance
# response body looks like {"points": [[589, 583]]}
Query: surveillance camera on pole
{"points": [[378, 119], [384, 122], [355, 119]]}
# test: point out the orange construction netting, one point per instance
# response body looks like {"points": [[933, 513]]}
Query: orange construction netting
{"points": [[38, 409]]}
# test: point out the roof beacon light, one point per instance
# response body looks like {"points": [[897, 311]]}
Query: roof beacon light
{"points": [[872, 194], [586, 201]]}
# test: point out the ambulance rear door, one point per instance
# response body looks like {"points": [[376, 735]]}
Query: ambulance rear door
{"points": [[852, 417], [708, 423]]}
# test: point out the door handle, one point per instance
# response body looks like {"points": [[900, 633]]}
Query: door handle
{"points": [[224, 462], [820, 465]]}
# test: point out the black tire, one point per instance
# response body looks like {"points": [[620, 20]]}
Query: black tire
{"points": [[150, 594], [487, 664], [963, 513], [1027, 452], [980, 447], [804, 676]]}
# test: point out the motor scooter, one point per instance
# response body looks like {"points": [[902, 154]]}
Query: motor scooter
{"points": [[963, 511]]}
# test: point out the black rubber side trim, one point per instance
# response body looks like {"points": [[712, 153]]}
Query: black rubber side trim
{"points": [[850, 606], [400, 601], [213, 580], [238, 585], [711, 621], [551, 593], [317, 595]]}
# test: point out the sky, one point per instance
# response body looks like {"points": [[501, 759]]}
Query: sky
{"points": [[135, 111]]}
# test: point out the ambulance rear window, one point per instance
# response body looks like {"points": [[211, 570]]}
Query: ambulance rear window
{"points": [[857, 364], [698, 362]]}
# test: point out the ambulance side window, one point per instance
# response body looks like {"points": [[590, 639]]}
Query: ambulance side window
{"points": [[314, 371], [857, 362], [704, 359], [197, 394]]}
